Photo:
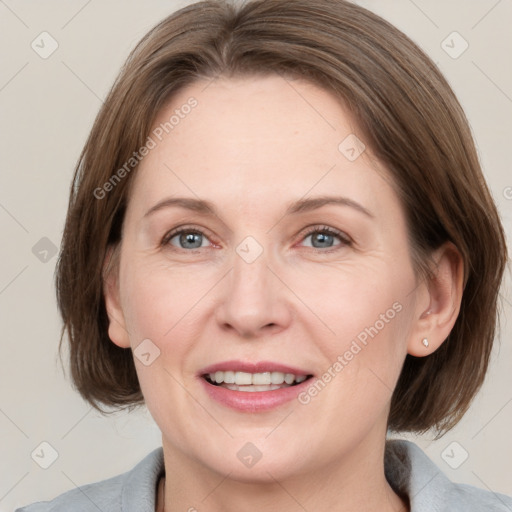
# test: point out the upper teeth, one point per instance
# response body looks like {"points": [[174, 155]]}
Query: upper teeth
{"points": [[244, 378]]}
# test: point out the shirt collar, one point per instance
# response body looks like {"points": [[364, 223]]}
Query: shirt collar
{"points": [[412, 474], [409, 471]]}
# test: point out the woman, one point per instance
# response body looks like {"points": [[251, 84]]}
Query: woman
{"points": [[279, 239]]}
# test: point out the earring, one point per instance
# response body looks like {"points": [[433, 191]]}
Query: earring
{"points": [[425, 342]]}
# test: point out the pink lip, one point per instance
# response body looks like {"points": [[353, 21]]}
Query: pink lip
{"points": [[258, 367], [256, 401]]}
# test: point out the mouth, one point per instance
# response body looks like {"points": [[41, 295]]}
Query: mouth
{"points": [[254, 382], [253, 387]]}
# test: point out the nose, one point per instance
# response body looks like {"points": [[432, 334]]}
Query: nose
{"points": [[254, 300]]}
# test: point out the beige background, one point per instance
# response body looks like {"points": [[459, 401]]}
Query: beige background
{"points": [[47, 108]]}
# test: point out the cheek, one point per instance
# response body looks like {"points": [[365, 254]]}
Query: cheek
{"points": [[367, 313], [350, 299], [162, 303], [148, 307]]}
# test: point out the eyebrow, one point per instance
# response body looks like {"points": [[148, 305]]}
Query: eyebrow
{"points": [[302, 205]]}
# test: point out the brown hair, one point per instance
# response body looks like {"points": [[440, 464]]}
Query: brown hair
{"points": [[407, 114]]}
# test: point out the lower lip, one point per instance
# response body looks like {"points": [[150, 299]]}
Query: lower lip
{"points": [[253, 401]]}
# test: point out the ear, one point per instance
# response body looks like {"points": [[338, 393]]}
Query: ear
{"points": [[117, 331], [440, 305]]}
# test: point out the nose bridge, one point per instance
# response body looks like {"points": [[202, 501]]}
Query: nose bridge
{"points": [[250, 279], [253, 297]]}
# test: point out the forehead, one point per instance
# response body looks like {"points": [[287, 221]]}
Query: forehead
{"points": [[244, 118], [247, 138]]}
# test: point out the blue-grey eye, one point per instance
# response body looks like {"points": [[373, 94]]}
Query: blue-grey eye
{"points": [[324, 238], [188, 240]]}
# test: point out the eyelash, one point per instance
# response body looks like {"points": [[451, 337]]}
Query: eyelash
{"points": [[343, 238]]}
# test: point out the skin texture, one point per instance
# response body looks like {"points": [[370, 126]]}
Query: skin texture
{"points": [[251, 147]]}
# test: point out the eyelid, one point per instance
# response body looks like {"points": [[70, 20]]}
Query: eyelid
{"points": [[344, 238], [319, 228], [189, 229]]}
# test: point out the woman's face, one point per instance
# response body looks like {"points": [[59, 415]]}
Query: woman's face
{"points": [[274, 282]]}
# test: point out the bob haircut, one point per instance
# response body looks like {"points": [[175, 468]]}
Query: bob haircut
{"points": [[406, 113]]}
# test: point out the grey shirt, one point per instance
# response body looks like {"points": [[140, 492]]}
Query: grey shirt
{"points": [[408, 470]]}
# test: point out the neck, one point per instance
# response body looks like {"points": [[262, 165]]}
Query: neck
{"points": [[357, 483]]}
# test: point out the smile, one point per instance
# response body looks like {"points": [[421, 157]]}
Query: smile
{"points": [[253, 387], [252, 382]]}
